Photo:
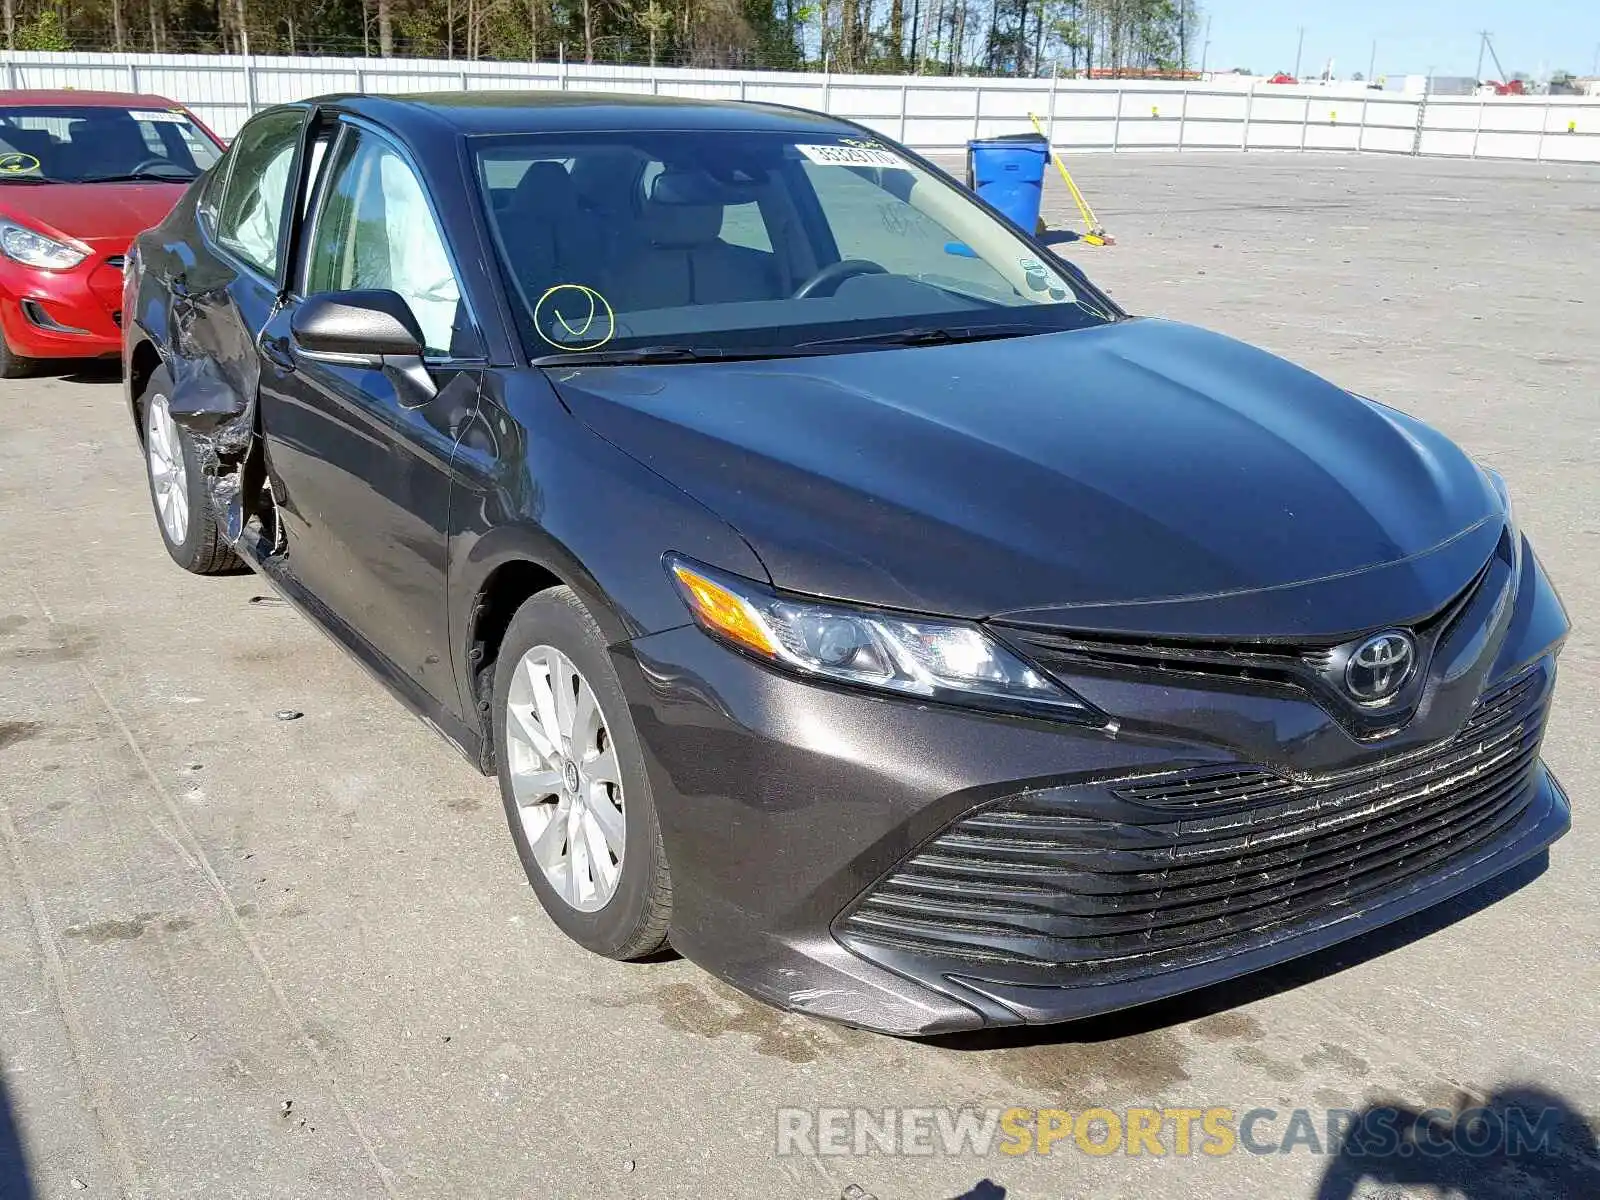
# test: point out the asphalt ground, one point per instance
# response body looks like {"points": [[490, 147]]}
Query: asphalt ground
{"points": [[248, 957]]}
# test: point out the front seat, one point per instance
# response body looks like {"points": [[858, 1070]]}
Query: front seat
{"points": [[549, 238], [687, 262]]}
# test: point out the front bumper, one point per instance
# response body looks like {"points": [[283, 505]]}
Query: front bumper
{"points": [[789, 809], [63, 314]]}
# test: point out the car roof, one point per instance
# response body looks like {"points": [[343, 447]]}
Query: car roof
{"points": [[41, 97], [487, 112]]}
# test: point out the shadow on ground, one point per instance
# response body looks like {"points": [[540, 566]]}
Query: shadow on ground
{"points": [[79, 370], [15, 1183], [1522, 1142]]}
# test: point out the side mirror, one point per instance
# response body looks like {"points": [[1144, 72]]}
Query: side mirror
{"points": [[361, 328], [373, 328]]}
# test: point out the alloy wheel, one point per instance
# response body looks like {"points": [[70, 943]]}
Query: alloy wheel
{"points": [[565, 777], [169, 478]]}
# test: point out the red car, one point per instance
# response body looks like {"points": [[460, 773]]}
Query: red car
{"points": [[80, 174]]}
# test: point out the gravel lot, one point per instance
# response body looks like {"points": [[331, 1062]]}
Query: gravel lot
{"points": [[244, 957]]}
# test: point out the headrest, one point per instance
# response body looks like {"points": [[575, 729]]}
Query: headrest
{"points": [[678, 225], [545, 187], [602, 178], [684, 209]]}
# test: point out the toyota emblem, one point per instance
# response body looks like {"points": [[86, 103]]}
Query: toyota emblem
{"points": [[1380, 667]]}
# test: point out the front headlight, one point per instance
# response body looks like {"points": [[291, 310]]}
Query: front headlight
{"points": [[953, 661], [33, 249], [1498, 482]]}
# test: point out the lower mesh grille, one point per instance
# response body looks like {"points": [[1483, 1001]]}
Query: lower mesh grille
{"points": [[1197, 858]]}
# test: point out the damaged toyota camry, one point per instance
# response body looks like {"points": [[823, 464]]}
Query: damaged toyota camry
{"points": [[840, 584]]}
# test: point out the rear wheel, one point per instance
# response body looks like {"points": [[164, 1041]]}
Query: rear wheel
{"points": [[178, 488], [573, 782]]}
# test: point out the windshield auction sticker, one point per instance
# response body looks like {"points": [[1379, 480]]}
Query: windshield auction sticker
{"points": [[850, 156], [17, 164]]}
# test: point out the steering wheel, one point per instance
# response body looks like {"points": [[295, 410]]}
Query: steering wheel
{"points": [[152, 163], [826, 281]]}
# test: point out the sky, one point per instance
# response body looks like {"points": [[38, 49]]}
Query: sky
{"points": [[1534, 36]]}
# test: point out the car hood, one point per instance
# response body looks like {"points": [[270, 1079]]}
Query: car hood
{"points": [[105, 215], [1128, 477]]}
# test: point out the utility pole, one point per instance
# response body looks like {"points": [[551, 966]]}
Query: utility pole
{"points": [[1205, 50], [1372, 63], [1297, 51], [1483, 44]]}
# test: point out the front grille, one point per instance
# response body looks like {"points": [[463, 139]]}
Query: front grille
{"points": [[1257, 664], [1100, 877]]}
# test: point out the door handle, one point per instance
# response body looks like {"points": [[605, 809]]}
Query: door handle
{"points": [[276, 351]]}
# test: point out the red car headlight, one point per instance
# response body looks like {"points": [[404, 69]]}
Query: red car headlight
{"points": [[33, 249]]}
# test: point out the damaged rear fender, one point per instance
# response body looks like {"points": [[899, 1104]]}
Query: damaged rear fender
{"points": [[215, 369]]}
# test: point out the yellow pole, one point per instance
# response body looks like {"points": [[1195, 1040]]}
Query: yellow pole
{"points": [[1096, 235]]}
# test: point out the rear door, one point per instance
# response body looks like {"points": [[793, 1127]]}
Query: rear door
{"points": [[223, 297], [362, 457]]}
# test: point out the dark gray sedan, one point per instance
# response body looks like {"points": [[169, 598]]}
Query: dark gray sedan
{"points": [[841, 585]]}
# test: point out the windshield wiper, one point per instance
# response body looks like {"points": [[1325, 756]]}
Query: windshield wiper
{"points": [[139, 177], [5, 178], [659, 354], [928, 335]]}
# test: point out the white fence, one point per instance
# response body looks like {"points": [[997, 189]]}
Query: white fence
{"points": [[929, 114]]}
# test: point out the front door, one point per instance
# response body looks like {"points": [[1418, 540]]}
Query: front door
{"points": [[362, 456]]}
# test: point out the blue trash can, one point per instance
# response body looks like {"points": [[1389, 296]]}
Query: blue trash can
{"points": [[1008, 172]]}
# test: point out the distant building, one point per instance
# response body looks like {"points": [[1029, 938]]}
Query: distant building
{"points": [[1438, 85]]}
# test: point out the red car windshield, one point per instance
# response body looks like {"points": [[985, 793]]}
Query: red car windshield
{"points": [[94, 144]]}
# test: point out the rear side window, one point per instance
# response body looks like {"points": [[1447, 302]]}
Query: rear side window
{"points": [[257, 191]]}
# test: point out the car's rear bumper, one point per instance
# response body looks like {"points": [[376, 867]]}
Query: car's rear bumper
{"points": [[62, 314], [788, 807]]}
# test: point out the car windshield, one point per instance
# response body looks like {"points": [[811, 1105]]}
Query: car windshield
{"points": [[687, 245], [95, 143]]}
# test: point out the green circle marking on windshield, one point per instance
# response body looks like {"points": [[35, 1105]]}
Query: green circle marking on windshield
{"points": [[584, 315], [17, 164]]}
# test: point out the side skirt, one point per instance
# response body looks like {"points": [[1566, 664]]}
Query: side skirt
{"points": [[465, 741]]}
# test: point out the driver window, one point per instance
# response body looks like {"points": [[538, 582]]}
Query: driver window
{"points": [[258, 189], [377, 231]]}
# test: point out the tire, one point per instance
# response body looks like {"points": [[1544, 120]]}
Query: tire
{"points": [[183, 511], [631, 921], [14, 366]]}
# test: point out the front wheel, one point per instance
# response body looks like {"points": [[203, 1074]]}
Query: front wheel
{"points": [[573, 782], [178, 488], [12, 364]]}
